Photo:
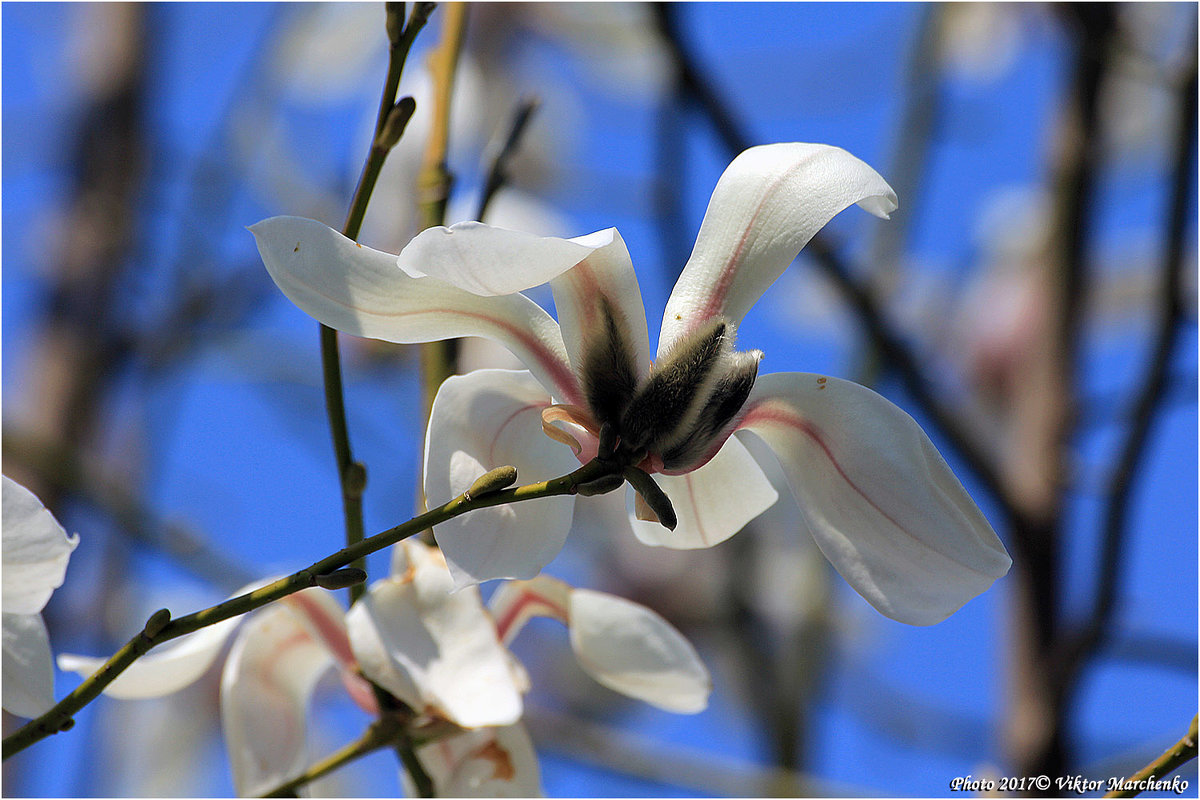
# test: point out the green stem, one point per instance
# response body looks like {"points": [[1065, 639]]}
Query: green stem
{"points": [[379, 735], [352, 475], [60, 716], [1175, 756]]}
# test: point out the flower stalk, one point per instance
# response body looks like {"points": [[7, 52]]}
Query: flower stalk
{"points": [[391, 729]]}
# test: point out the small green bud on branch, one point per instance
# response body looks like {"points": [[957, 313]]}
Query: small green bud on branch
{"points": [[341, 578], [493, 481], [157, 621], [395, 122]]}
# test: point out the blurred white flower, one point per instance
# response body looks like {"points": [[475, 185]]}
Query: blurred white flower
{"points": [[268, 680], [440, 652], [36, 550]]}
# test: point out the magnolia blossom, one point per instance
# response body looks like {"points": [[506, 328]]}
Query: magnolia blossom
{"points": [[35, 552], [875, 494], [443, 654]]}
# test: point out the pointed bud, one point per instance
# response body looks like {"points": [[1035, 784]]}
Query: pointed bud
{"points": [[340, 578], [355, 479], [395, 21], [493, 481], [670, 399], [397, 120], [158, 620]]}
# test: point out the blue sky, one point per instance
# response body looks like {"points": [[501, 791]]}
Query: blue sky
{"points": [[231, 440]]}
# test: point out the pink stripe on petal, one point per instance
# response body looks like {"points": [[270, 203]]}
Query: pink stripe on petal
{"points": [[767, 414]]}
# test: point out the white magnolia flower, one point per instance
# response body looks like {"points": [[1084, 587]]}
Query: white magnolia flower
{"points": [[35, 554], [878, 498], [441, 653]]}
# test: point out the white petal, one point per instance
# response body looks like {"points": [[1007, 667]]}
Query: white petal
{"points": [[168, 668], [488, 261], [877, 496], [632, 650], [608, 273], [712, 503], [601, 517], [28, 669], [35, 552], [363, 292], [480, 421], [433, 648], [493, 762], [516, 602], [265, 691], [769, 202], [325, 620]]}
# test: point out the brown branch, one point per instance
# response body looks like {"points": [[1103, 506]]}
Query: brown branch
{"points": [[1123, 479], [497, 175]]}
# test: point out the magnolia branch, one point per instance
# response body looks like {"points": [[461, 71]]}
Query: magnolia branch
{"points": [[390, 730], [330, 572], [389, 126], [1150, 399], [1175, 756]]}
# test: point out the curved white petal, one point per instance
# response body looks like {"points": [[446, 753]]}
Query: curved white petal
{"points": [[168, 668], [516, 602], [324, 617], [711, 503], [482, 420], [492, 762], [35, 550], [268, 681], [607, 273], [362, 291], [28, 668], [600, 517], [768, 203], [434, 648], [879, 499], [632, 650], [489, 261]]}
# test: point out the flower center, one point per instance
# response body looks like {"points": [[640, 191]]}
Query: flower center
{"points": [[676, 418]]}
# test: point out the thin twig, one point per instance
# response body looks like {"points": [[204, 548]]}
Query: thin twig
{"points": [[1175, 756], [497, 174], [352, 475], [1149, 401], [377, 736], [60, 716]]}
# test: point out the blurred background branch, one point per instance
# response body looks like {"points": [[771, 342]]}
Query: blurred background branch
{"points": [[160, 393]]}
